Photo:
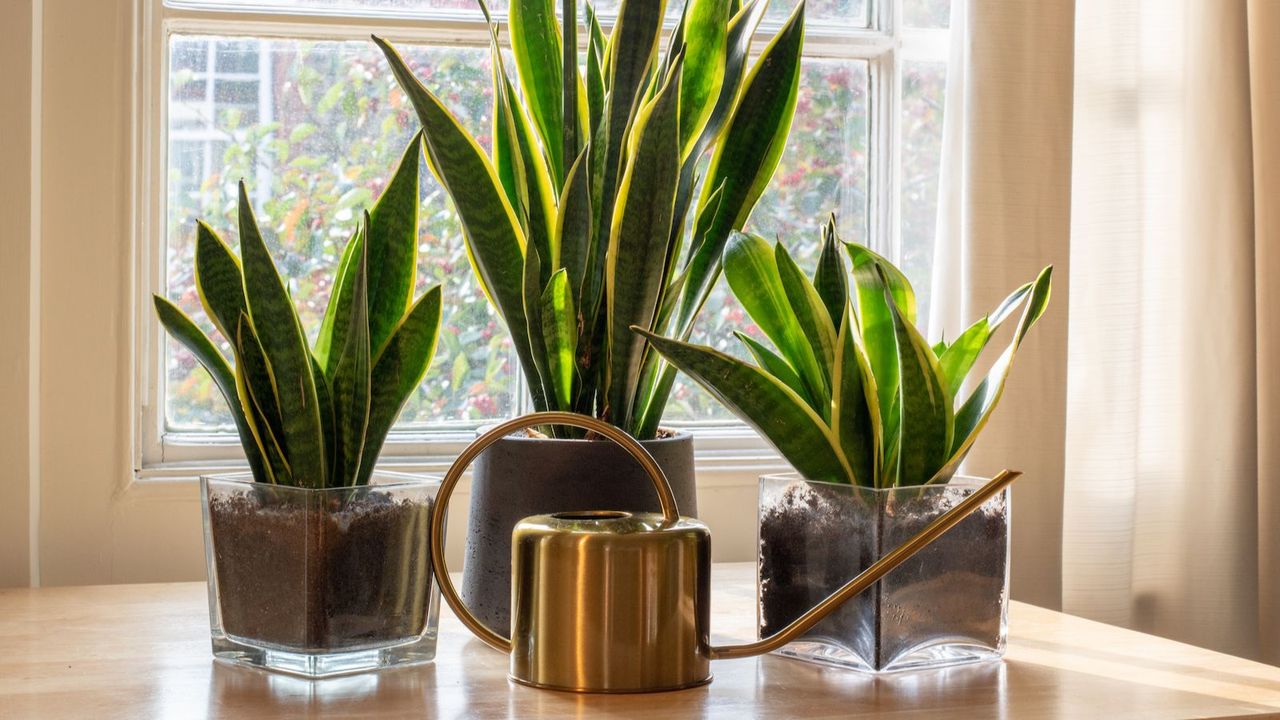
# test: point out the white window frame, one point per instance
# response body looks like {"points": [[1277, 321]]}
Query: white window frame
{"points": [[721, 446]]}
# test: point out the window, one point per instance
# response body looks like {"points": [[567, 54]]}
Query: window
{"points": [[291, 96]]}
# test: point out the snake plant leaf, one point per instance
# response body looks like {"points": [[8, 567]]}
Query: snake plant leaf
{"points": [[808, 310], [397, 372], [532, 289], [742, 29], [338, 307], [829, 278], [351, 379], [273, 455], [535, 43], [328, 419], [495, 242], [186, 332], [633, 48], [855, 406], [875, 318], [751, 268], [392, 247], [866, 260], [534, 194], [636, 257], [257, 386], [765, 403], [976, 411], [219, 281], [572, 94], [594, 79], [705, 33], [925, 414], [285, 346], [560, 334], [573, 224], [259, 380], [656, 375], [747, 155], [958, 357], [775, 365]]}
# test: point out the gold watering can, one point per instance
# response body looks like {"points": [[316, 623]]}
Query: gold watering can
{"points": [[618, 602]]}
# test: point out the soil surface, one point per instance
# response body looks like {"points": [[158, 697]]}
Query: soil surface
{"points": [[815, 538], [303, 577]]}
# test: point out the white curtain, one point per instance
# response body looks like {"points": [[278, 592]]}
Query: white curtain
{"points": [[1173, 441], [1004, 213]]}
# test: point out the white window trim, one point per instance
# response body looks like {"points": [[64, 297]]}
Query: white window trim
{"points": [[723, 449]]}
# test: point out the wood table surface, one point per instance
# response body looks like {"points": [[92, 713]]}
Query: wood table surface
{"points": [[142, 651]]}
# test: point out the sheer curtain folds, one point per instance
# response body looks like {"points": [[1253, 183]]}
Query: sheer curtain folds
{"points": [[1173, 419]]}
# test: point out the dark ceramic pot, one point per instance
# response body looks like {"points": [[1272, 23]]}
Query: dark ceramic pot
{"points": [[519, 476]]}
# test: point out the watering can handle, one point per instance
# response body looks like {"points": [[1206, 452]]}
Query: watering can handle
{"points": [[868, 577], [665, 498]]}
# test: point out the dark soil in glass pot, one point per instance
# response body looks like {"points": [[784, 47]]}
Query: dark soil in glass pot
{"points": [[945, 605], [320, 570]]}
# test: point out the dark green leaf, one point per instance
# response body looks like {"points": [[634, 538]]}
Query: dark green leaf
{"points": [[878, 335], [494, 240], [808, 311], [925, 416], [186, 332], [332, 332], [766, 404], [976, 411], [633, 49], [751, 268], [351, 379], [748, 153], [532, 289], [560, 333], [636, 257], [397, 372], [278, 329], [705, 29], [775, 365], [855, 406], [219, 281], [535, 42], [573, 225], [864, 260], [829, 279], [392, 247]]}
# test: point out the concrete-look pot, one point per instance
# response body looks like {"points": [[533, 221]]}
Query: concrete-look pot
{"points": [[519, 476]]}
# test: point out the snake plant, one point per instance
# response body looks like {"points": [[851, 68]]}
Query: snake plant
{"points": [[316, 416], [576, 222], [851, 392]]}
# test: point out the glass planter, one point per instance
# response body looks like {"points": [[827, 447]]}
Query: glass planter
{"points": [[946, 605], [320, 582]]}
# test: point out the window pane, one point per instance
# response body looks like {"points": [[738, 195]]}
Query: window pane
{"points": [[823, 170], [315, 129], [847, 13], [926, 13], [399, 7], [924, 87]]}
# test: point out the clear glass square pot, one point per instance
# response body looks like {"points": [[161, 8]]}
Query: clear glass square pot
{"points": [[321, 582], [946, 605]]}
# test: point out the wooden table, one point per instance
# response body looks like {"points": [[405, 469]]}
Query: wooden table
{"points": [[142, 651]]}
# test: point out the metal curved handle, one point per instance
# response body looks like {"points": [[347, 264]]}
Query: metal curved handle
{"points": [[665, 498], [868, 577]]}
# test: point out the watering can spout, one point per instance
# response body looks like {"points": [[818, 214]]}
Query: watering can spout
{"points": [[611, 601]]}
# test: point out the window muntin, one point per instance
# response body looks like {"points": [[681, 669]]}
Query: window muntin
{"points": [[864, 144]]}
